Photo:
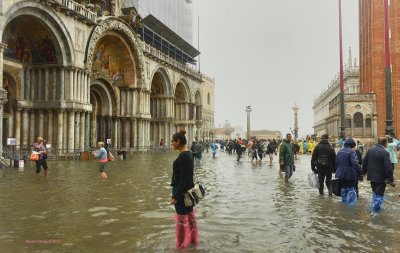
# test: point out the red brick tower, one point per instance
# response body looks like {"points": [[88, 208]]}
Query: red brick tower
{"points": [[372, 57]]}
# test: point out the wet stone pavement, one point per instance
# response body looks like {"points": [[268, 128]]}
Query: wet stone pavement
{"points": [[248, 208]]}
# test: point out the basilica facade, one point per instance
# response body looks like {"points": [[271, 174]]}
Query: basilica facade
{"points": [[78, 72]]}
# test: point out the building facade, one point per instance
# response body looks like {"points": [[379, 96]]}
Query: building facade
{"points": [[79, 72], [372, 57], [360, 109]]}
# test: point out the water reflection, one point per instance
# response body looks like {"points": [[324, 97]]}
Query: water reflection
{"points": [[249, 208]]}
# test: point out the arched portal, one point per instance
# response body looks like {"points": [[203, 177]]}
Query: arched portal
{"points": [[160, 108], [102, 100], [38, 51]]}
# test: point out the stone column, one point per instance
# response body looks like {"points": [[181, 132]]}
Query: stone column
{"points": [[50, 127], [77, 125], [88, 115], [132, 133], [115, 137], [41, 124], [135, 134], [54, 84], [46, 84], [62, 84], [27, 82], [127, 133], [71, 130], [75, 86], [135, 101], [128, 102], [88, 87], [60, 133], [71, 84], [94, 129], [18, 127], [2, 47], [25, 129], [33, 84], [140, 134], [32, 124], [40, 86], [65, 134], [82, 131], [123, 103]]}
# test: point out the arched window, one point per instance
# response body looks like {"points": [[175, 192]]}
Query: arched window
{"points": [[208, 99], [358, 120]]}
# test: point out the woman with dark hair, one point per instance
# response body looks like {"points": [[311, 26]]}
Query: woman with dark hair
{"points": [[182, 181]]}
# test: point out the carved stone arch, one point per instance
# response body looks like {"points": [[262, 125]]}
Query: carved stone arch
{"points": [[166, 76], [122, 28], [16, 78], [187, 89], [53, 22], [109, 91]]}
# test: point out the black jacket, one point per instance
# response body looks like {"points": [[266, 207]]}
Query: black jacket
{"points": [[324, 148], [377, 165], [182, 176]]}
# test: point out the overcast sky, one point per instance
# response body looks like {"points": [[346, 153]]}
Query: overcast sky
{"points": [[271, 54]]}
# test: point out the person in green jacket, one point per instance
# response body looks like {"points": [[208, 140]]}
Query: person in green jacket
{"points": [[286, 157]]}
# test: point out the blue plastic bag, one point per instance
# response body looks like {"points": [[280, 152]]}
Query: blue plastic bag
{"points": [[377, 202], [349, 196]]}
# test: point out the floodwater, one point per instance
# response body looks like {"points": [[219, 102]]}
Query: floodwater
{"points": [[248, 208]]}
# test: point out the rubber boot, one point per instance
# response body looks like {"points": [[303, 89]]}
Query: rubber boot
{"points": [[194, 231], [182, 232], [377, 202]]}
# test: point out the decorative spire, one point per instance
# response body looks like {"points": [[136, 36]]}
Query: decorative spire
{"points": [[350, 64]]}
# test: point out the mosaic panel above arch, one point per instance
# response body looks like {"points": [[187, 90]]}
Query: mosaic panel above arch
{"points": [[113, 59], [113, 24], [30, 41]]}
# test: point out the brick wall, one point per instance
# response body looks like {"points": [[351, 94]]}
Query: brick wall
{"points": [[372, 59]]}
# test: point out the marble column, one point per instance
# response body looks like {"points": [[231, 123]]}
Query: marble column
{"points": [[62, 84], [71, 130], [75, 86], [40, 86], [140, 134], [41, 124], [93, 128], [2, 47], [54, 84], [27, 84], [115, 137], [132, 133], [135, 134], [82, 131], [70, 89], [33, 84], [127, 133], [65, 134], [128, 102], [50, 127], [18, 127], [60, 133], [25, 127], [88, 116], [77, 134], [123, 103], [88, 87], [46, 84], [32, 124]]}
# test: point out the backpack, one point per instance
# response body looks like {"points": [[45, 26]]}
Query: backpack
{"points": [[322, 160]]}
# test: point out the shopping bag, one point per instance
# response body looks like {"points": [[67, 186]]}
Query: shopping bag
{"points": [[34, 156], [313, 180]]}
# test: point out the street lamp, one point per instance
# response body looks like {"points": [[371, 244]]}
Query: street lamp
{"points": [[342, 118], [296, 124], [388, 75], [248, 111]]}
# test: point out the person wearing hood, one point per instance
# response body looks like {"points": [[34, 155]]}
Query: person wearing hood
{"points": [[323, 163], [348, 170], [391, 148]]}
